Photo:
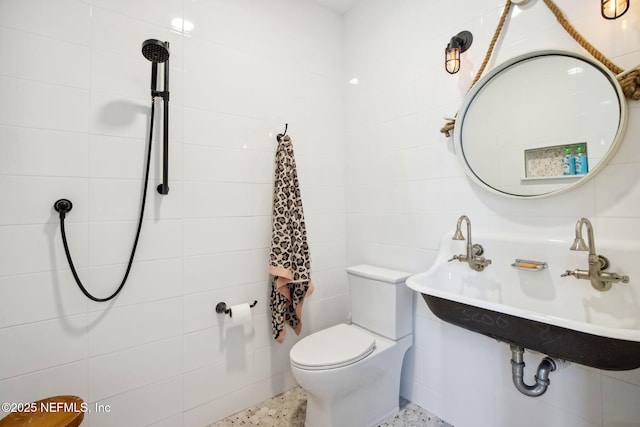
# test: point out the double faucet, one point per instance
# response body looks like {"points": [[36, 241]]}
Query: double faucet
{"points": [[600, 279], [474, 251]]}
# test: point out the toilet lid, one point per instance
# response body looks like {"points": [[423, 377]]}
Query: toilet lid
{"points": [[335, 347]]}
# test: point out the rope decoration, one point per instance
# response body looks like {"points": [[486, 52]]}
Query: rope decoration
{"points": [[503, 18], [448, 127], [629, 80]]}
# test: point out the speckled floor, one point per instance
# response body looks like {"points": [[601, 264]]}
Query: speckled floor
{"points": [[288, 410]]}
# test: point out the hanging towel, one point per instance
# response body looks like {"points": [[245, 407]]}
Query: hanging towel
{"points": [[289, 260]]}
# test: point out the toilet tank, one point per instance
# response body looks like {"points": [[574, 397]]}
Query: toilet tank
{"points": [[380, 300]]}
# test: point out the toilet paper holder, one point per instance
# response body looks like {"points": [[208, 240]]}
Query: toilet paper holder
{"points": [[221, 307]]}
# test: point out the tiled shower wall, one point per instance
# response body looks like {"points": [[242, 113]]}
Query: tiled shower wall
{"points": [[74, 111], [405, 190], [74, 103]]}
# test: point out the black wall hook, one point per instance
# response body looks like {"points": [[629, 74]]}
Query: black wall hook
{"points": [[282, 135]]}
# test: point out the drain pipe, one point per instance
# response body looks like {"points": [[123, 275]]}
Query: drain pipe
{"points": [[545, 367]]}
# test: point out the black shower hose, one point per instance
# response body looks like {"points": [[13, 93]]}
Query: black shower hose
{"points": [[63, 206]]}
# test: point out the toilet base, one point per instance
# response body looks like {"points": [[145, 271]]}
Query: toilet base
{"points": [[316, 417], [362, 394]]}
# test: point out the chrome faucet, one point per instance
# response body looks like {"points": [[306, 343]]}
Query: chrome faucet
{"points": [[474, 251], [600, 279]]}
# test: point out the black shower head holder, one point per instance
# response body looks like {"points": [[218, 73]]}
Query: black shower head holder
{"points": [[164, 94], [157, 52]]}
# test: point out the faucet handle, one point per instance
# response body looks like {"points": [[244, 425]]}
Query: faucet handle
{"points": [[568, 273], [486, 261], [613, 277], [455, 257], [477, 249], [479, 263]]}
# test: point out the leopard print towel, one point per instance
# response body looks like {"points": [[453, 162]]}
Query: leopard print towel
{"points": [[289, 260]]}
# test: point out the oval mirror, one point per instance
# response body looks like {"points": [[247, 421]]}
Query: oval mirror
{"points": [[540, 124]]}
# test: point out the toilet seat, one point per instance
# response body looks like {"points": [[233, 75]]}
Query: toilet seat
{"points": [[331, 348]]}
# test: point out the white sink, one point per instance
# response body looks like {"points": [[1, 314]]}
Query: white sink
{"points": [[538, 309]]}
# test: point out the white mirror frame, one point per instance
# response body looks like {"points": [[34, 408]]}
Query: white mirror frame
{"points": [[622, 123]]}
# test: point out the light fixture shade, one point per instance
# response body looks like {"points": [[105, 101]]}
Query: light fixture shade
{"points": [[458, 44], [612, 9], [452, 59]]}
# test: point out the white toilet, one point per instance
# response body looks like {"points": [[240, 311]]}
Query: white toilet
{"points": [[351, 373]]}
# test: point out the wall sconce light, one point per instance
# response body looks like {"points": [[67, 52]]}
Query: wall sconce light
{"points": [[612, 9], [458, 44]]}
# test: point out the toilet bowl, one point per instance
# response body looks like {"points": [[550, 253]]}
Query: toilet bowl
{"points": [[351, 373]]}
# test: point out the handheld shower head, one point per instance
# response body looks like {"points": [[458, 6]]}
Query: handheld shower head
{"points": [[158, 53], [155, 50]]}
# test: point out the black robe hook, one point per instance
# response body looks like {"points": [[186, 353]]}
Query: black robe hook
{"points": [[282, 135]]}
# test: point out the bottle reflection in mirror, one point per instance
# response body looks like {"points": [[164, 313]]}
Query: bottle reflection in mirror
{"points": [[568, 162], [581, 161]]}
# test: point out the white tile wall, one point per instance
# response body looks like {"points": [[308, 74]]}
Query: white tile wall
{"points": [[140, 406], [110, 374], [374, 169], [47, 382], [74, 112], [405, 189]]}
